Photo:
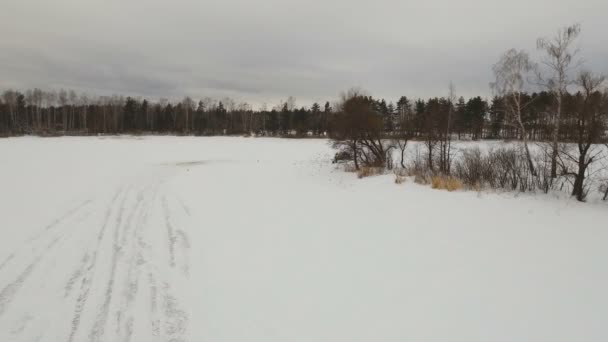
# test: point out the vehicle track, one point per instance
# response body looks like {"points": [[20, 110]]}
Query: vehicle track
{"points": [[89, 273], [8, 293], [49, 227], [136, 255], [102, 316], [170, 232]]}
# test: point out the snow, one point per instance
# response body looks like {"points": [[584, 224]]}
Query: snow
{"points": [[251, 239]]}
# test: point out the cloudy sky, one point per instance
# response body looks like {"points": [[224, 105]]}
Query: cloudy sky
{"points": [[265, 50]]}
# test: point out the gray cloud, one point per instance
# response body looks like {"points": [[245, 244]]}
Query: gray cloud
{"points": [[262, 51]]}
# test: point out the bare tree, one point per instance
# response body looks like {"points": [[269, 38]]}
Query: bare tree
{"points": [[589, 130], [291, 103], [400, 141], [606, 185], [37, 98], [50, 98], [445, 144], [63, 103], [347, 124], [73, 102], [510, 73], [84, 103], [188, 106], [358, 131], [10, 98], [559, 60]]}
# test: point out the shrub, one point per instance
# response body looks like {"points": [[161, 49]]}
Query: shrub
{"points": [[349, 168], [368, 171], [422, 179], [475, 169], [502, 168], [399, 179], [604, 190]]}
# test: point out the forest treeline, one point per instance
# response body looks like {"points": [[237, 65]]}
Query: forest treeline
{"points": [[531, 101], [57, 113], [528, 102]]}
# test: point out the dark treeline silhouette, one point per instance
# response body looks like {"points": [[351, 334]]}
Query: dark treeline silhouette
{"points": [[65, 113], [365, 139]]}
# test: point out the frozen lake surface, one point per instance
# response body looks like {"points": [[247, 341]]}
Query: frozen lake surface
{"points": [[243, 239]]}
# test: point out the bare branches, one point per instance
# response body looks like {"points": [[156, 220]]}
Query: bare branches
{"points": [[558, 58], [511, 72]]}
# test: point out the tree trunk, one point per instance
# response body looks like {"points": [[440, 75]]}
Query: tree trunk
{"points": [[524, 139], [355, 157], [555, 136], [578, 190], [430, 157]]}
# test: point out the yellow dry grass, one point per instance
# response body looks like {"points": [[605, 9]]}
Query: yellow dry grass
{"points": [[349, 168], [446, 183], [368, 171]]}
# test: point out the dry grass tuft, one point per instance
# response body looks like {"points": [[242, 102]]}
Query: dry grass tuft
{"points": [[399, 179], [368, 171], [446, 183], [349, 168]]}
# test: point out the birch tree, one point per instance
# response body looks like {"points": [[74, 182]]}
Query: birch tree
{"points": [[559, 58], [511, 72], [10, 98]]}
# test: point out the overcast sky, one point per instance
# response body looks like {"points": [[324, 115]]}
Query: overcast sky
{"points": [[265, 50]]}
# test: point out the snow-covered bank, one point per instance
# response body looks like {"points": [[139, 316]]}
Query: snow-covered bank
{"points": [[240, 239]]}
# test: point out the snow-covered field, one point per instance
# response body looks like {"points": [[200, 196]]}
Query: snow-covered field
{"points": [[242, 239]]}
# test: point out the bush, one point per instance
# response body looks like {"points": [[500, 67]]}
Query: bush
{"points": [[349, 168], [399, 179], [342, 156], [472, 168], [502, 168], [604, 190], [419, 167], [422, 179], [368, 171]]}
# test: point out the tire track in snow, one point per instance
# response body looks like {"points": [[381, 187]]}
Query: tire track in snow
{"points": [[54, 223], [170, 232], [21, 325], [176, 319], [168, 319], [135, 263], [76, 275], [8, 293], [176, 235], [184, 206], [129, 329], [102, 316], [185, 246], [89, 274], [132, 261], [9, 258], [155, 319]]}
